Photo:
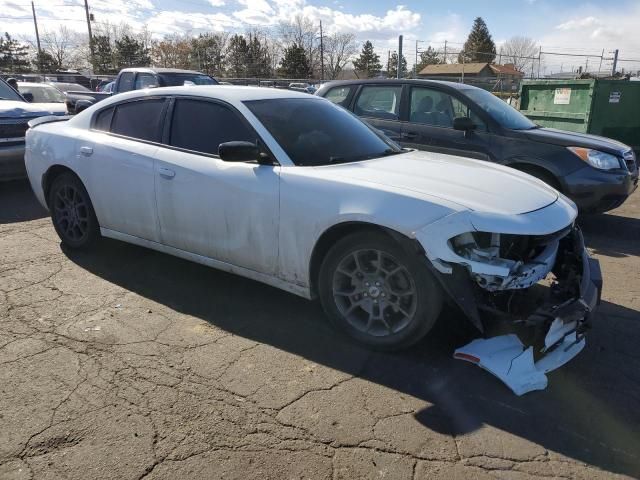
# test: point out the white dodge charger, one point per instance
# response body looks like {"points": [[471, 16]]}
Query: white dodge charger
{"points": [[293, 191]]}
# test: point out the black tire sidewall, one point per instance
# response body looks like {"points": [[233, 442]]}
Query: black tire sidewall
{"points": [[93, 229], [429, 292]]}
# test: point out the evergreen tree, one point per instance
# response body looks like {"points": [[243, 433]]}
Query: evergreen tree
{"points": [[392, 66], [45, 62], [427, 57], [295, 63], [102, 54], [258, 59], [479, 46], [368, 62], [208, 53], [13, 55], [237, 55], [130, 52]]}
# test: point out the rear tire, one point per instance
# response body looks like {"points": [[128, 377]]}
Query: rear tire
{"points": [[72, 213], [378, 293]]}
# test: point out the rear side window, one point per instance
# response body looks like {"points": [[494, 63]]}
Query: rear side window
{"points": [[103, 120], [338, 95], [126, 82], [141, 119], [145, 80], [379, 101], [202, 126]]}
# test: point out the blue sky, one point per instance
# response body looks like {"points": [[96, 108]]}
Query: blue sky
{"points": [[569, 25]]}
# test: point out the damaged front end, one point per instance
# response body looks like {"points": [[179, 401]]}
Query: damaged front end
{"points": [[531, 295]]}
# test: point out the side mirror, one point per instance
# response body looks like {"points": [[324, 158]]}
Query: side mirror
{"points": [[239, 152], [28, 97], [464, 124], [82, 105]]}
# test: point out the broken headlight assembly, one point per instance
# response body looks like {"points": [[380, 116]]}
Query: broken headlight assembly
{"points": [[515, 261]]}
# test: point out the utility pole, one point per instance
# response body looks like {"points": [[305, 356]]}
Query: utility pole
{"points": [[615, 62], [35, 23], [321, 53], [601, 57], [86, 10], [415, 65], [445, 52], [399, 66], [539, 58], [463, 55], [388, 61]]}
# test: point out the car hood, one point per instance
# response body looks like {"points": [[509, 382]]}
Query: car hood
{"points": [[474, 184], [574, 139], [17, 109]]}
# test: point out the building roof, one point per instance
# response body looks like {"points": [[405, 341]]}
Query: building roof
{"points": [[469, 68], [453, 68]]}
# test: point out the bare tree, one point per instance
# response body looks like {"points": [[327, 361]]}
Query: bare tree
{"points": [[339, 48], [521, 51], [302, 32], [62, 45]]}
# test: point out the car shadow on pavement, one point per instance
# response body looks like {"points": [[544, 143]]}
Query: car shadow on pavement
{"points": [[590, 411], [19, 203], [612, 235]]}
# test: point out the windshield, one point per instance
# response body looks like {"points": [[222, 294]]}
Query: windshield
{"points": [[42, 94], [505, 115], [8, 93], [179, 79], [317, 132]]}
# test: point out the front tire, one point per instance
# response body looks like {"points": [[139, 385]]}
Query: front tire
{"points": [[72, 213], [379, 294]]}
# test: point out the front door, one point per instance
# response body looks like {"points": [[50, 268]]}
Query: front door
{"points": [[430, 126], [221, 210]]}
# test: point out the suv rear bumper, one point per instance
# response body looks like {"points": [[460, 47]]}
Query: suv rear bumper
{"points": [[12, 162], [595, 191]]}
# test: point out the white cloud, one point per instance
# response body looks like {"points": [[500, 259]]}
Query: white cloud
{"points": [[217, 3]]}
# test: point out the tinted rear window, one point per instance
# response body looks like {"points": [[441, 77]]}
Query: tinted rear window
{"points": [[202, 126], [179, 79], [141, 119]]}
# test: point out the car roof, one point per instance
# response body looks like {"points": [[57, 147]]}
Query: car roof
{"points": [[33, 84], [404, 81], [230, 93], [161, 70]]}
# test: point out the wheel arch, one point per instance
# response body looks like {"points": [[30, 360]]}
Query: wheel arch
{"points": [[53, 172], [538, 171], [340, 230]]}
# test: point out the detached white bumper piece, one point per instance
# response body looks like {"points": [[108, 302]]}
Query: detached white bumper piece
{"points": [[506, 357]]}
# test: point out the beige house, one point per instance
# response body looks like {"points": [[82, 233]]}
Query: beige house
{"points": [[475, 72]]}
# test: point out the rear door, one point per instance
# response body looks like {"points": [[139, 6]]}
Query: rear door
{"points": [[430, 125], [119, 152], [380, 106]]}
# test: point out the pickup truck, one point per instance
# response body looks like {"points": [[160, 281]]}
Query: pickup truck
{"points": [[136, 79], [15, 113]]}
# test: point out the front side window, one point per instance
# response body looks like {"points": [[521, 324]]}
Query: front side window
{"points": [[379, 101], [315, 132], [436, 108], [145, 80], [139, 119], [125, 83], [202, 126], [338, 95]]}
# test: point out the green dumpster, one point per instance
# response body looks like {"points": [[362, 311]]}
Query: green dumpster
{"points": [[610, 108]]}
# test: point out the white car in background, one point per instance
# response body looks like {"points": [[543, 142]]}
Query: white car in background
{"points": [[45, 95], [293, 191]]}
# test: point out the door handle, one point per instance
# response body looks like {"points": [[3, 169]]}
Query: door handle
{"points": [[86, 151], [409, 135], [166, 172]]}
